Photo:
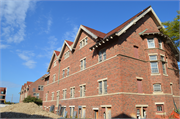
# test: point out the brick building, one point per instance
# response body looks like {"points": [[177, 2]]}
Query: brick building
{"points": [[3, 94], [24, 91], [34, 89], [130, 71]]}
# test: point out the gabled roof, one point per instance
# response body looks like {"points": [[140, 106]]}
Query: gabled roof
{"points": [[28, 83], [55, 53], [97, 33], [93, 33], [126, 25], [68, 44]]}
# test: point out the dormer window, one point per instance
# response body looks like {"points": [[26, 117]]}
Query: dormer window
{"points": [[83, 42], [66, 54], [151, 43]]}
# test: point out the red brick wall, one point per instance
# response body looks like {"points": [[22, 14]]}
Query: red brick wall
{"points": [[35, 85], [121, 69]]}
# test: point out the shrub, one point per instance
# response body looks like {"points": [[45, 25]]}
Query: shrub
{"points": [[32, 99]]}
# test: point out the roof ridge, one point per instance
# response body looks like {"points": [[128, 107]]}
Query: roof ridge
{"points": [[125, 23]]}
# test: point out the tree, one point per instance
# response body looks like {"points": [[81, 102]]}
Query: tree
{"points": [[33, 99], [172, 29]]}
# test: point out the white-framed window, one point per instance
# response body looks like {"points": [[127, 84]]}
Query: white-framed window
{"points": [[163, 64], [71, 112], [102, 55], [36, 95], [52, 97], [46, 96], [83, 63], [72, 89], [66, 54], [54, 77], [82, 90], [102, 86], [157, 87], [154, 64], [68, 71], [83, 42], [151, 43], [63, 73], [160, 43], [64, 94], [57, 98], [40, 87], [54, 63]]}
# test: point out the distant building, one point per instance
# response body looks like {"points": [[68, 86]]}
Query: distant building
{"points": [[35, 89], [2, 95], [24, 91]]}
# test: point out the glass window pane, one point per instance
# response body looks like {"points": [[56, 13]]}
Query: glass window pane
{"points": [[100, 56], [80, 91], [164, 68], [151, 43], [100, 87], [84, 63], [104, 54], [153, 57], [154, 67], [105, 86], [157, 87]]}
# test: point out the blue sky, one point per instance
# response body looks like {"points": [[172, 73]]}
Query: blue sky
{"points": [[31, 30]]}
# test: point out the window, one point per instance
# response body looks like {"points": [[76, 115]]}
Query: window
{"points": [[157, 87], [68, 71], [66, 54], [52, 96], [71, 112], [47, 81], [83, 63], [103, 87], [72, 92], [54, 63], [163, 64], [159, 107], [57, 101], [64, 94], [151, 43], [54, 78], [102, 55], [40, 87], [82, 90], [160, 43], [83, 42], [63, 73], [34, 89], [46, 96], [2, 92], [36, 95], [154, 64]]}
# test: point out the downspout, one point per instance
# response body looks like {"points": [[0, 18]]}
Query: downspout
{"points": [[59, 71]]}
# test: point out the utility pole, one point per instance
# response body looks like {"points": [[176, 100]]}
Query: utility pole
{"points": [[12, 98]]}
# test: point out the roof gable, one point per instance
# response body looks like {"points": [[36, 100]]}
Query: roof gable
{"points": [[68, 44], [92, 32], [55, 53]]}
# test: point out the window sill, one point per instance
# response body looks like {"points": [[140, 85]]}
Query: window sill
{"points": [[158, 92], [155, 74], [160, 113], [165, 74]]}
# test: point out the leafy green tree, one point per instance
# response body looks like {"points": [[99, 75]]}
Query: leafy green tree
{"points": [[172, 29], [33, 99]]}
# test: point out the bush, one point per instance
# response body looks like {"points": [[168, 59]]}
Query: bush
{"points": [[8, 102], [33, 99]]}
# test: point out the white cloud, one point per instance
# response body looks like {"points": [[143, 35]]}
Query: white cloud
{"points": [[2, 46], [49, 23], [27, 56], [13, 14], [70, 35]]}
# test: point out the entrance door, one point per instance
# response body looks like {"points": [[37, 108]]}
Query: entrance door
{"points": [[96, 114]]}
